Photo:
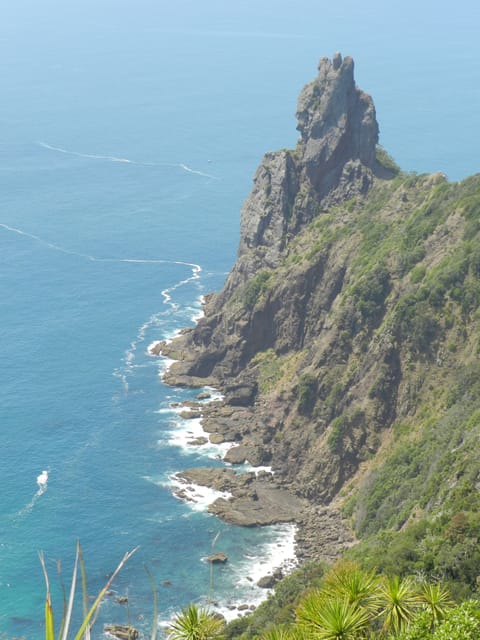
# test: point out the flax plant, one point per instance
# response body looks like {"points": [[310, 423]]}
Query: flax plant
{"points": [[90, 614]]}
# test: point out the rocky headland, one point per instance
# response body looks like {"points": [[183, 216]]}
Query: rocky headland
{"points": [[326, 336], [335, 159]]}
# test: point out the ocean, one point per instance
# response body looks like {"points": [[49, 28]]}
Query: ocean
{"points": [[129, 136]]}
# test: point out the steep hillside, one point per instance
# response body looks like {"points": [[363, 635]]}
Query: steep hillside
{"points": [[347, 336]]}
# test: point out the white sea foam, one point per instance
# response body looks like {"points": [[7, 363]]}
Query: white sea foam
{"points": [[167, 293], [196, 172], [278, 553], [156, 321], [90, 156], [152, 346], [196, 496], [42, 481], [186, 431], [164, 365], [50, 245], [248, 467], [197, 315], [214, 394]]}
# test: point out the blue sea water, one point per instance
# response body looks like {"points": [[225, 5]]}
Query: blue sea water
{"points": [[128, 139]]}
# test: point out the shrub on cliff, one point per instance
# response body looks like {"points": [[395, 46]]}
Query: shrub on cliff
{"points": [[307, 391], [256, 287]]}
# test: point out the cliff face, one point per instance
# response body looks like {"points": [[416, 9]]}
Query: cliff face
{"points": [[334, 160], [349, 316]]}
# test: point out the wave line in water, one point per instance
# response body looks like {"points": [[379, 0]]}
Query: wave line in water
{"points": [[195, 171], [157, 320], [55, 247], [94, 156], [154, 320]]}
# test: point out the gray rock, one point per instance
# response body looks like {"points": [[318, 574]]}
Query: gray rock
{"points": [[236, 455], [217, 438], [338, 126], [198, 441], [190, 415], [218, 558], [267, 582]]}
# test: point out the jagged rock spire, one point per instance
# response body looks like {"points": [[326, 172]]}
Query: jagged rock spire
{"points": [[337, 124], [334, 161]]}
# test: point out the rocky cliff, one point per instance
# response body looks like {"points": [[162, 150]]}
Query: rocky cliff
{"points": [[335, 159], [347, 319]]}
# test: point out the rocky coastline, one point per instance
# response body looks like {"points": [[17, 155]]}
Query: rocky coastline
{"points": [[344, 343], [253, 497], [270, 340]]}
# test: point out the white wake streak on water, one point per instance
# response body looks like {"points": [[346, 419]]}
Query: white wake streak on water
{"points": [[42, 482], [106, 158], [55, 247], [40, 240], [91, 156]]}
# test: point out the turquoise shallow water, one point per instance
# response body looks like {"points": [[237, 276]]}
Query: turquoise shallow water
{"points": [[128, 140]]}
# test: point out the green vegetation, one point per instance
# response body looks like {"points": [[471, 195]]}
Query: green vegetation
{"points": [[386, 161], [368, 296], [307, 391], [195, 623], [256, 287], [347, 602], [270, 369], [352, 603], [89, 612]]}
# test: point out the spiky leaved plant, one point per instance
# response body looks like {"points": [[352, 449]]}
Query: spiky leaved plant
{"points": [[436, 599], [89, 614], [399, 603], [331, 618], [285, 632], [358, 587], [195, 623]]}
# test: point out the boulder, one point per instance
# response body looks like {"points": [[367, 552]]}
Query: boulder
{"points": [[198, 441], [236, 455], [218, 558], [266, 582], [190, 415]]}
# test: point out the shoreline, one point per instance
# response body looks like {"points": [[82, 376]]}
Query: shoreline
{"points": [[323, 533], [244, 490], [274, 558]]}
